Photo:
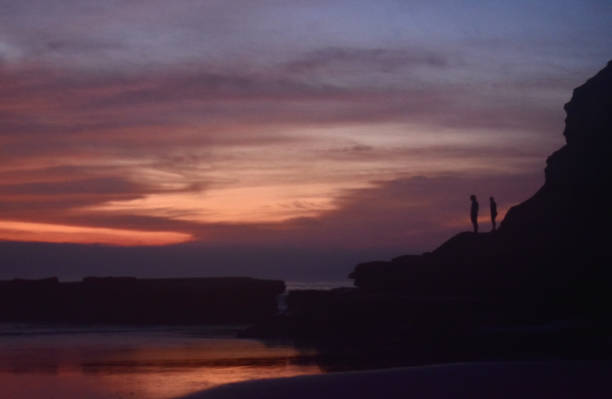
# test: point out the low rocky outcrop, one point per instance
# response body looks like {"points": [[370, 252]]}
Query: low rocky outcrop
{"points": [[140, 301]]}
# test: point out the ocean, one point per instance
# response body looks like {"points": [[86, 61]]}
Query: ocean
{"points": [[112, 362]]}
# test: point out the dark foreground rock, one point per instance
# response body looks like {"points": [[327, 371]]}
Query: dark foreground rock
{"points": [[140, 301], [537, 287]]}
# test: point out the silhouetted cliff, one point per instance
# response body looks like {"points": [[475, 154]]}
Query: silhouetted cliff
{"points": [[551, 250], [140, 301]]}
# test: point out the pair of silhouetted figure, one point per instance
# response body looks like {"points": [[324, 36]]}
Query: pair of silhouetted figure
{"points": [[474, 212]]}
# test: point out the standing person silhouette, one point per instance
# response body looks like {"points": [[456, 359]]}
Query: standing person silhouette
{"points": [[474, 213], [493, 205]]}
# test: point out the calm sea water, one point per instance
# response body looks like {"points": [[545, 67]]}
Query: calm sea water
{"points": [[67, 362]]}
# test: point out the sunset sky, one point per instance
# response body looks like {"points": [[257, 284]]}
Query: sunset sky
{"points": [[307, 124]]}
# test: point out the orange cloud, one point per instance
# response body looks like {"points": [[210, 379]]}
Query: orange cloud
{"points": [[23, 231]]}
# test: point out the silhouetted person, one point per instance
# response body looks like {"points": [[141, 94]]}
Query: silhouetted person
{"points": [[493, 205], [474, 213]]}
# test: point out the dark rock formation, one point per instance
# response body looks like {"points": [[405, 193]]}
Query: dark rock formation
{"points": [[140, 301]]}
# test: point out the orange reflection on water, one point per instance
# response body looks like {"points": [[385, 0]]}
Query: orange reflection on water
{"points": [[137, 365]]}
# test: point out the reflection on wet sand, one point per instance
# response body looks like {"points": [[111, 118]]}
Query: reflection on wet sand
{"points": [[137, 364]]}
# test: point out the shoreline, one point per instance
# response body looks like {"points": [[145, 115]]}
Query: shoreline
{"points": [[486, 380]]}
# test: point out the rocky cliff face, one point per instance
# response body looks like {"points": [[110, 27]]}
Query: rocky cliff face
{"points": [[588, 113], [550, 250], [577, 175]]}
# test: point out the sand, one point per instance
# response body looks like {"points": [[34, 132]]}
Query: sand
{"points": [[559, 379]]}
